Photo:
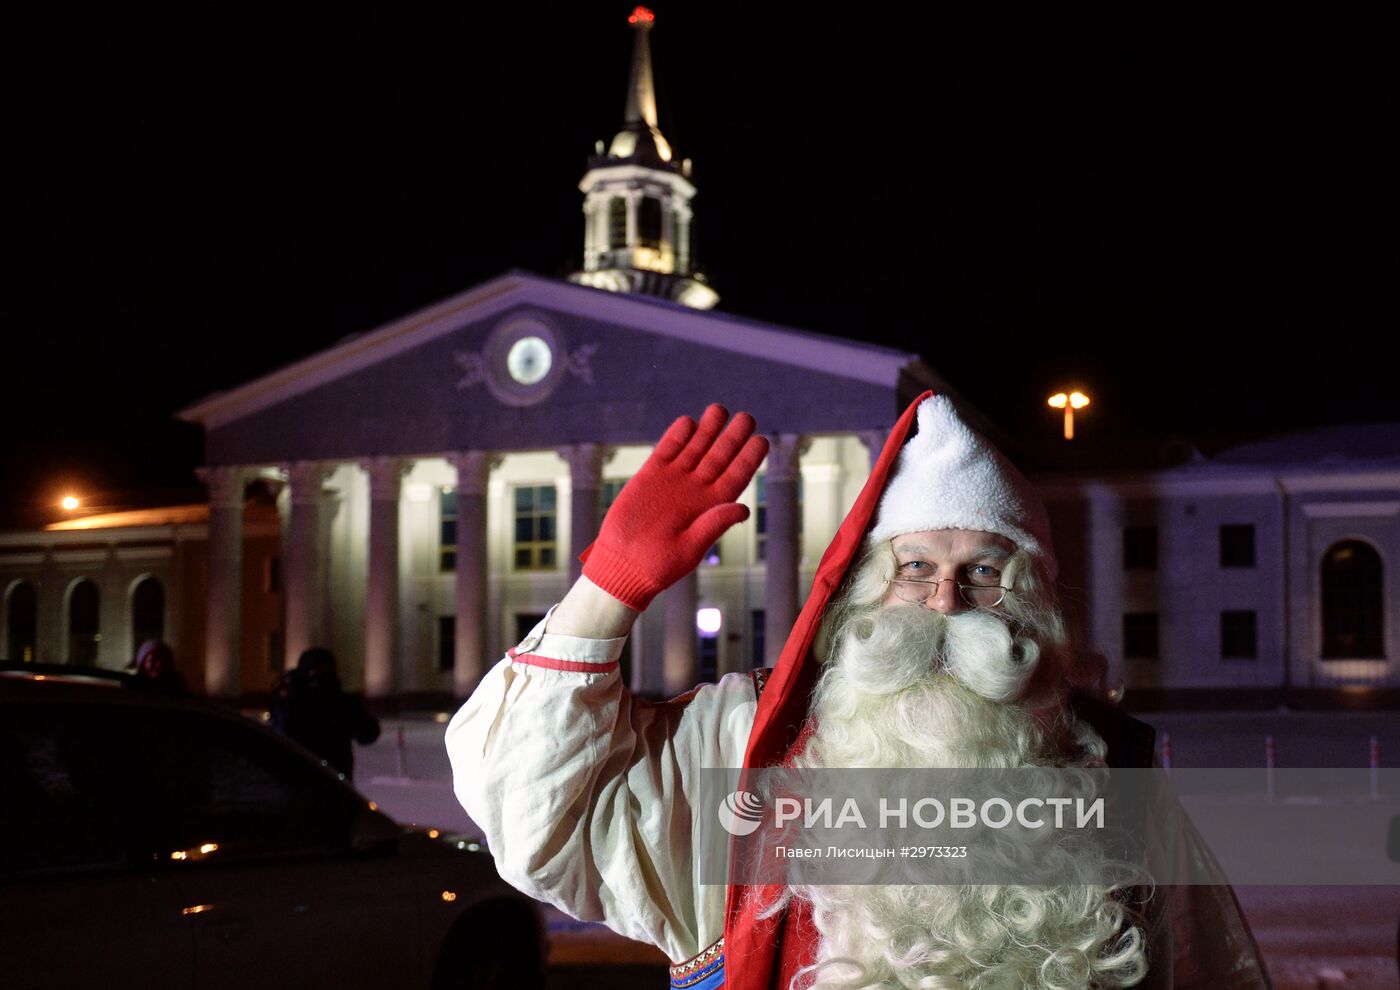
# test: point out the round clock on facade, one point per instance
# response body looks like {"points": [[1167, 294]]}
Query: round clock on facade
{"points": [[523, 359], [529, 360]]}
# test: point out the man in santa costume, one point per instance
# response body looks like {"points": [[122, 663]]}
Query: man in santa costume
{"points": [[930, 638]]}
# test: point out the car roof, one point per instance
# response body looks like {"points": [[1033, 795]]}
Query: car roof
{"points": [[55, 684]]}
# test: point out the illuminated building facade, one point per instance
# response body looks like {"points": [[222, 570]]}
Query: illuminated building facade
{"points": [[416, 497], [1271, 566]]}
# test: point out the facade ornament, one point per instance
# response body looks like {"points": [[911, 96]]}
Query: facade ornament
{"points": [[585, 462], [307, 480], [785, 452], [474, 469], [474, 367], [577, 361], [226, 484], [385, 476]]}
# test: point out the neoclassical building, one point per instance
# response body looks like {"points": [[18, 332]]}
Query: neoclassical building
{"points": [[417, 496], [438, 478]]}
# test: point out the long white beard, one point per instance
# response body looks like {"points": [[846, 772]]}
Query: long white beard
{"points": [[907, 687]]}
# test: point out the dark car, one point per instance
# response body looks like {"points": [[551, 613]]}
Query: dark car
{"points": [[150, 841]]}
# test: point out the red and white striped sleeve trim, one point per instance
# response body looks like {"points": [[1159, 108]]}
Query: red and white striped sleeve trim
{"points": [[572, 666]]}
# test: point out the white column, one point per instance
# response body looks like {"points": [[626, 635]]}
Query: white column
{"points": [[588, 238], [668, 232], [469, 658], [782, 553], [382, 581], [633, 199], [585, 462], [223, 630], [683, 242], [1105, 574], [679, 649], [305, 578]]}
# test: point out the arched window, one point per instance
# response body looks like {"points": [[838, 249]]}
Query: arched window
{"points": [[147, 612], [1353, 607], [617, 223], [21, 622], [649, 222], [84, 632]]}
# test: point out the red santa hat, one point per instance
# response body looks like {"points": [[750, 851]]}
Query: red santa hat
{"points": [[948, 477]]}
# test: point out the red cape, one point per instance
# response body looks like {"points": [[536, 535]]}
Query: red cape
{"points": [[758, 951]]}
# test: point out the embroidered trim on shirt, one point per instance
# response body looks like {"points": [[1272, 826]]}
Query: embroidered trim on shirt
{"points": [[572, 666], [697, 967], [760, 680]]}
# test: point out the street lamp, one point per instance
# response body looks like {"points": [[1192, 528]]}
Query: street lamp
{"points": [[1069, 403]]}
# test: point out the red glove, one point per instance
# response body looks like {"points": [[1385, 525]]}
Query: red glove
{"points": [[674, 509]]}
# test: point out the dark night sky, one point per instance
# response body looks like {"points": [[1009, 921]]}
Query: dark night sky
{"points": [[1196, 219]]}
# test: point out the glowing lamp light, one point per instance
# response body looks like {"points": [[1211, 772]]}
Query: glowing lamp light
{"points": [[1069, 402], [708, 620], [449, 896], [641, 16], [70, 502]]}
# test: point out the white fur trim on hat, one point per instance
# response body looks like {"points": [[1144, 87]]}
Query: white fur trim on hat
{"points": [[948, 477]]}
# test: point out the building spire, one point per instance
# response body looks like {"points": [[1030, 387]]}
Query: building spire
{"points": [[640, 136], [637, 213]]}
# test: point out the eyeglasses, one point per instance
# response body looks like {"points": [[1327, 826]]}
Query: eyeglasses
{"points": [[917, 591]]}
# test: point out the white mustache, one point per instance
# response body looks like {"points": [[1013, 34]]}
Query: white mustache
{"points": [[891, 648]]}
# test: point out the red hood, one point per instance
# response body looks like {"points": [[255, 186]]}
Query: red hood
{"points": [[751, 944]]}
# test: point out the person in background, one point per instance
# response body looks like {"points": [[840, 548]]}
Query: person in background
{"points": [[154, 668], [312, 708]]}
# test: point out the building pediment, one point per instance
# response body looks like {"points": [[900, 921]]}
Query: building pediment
{"points": [[524, 361]]}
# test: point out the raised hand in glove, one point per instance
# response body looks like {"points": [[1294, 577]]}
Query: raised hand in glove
{"points": [[674, 509]]}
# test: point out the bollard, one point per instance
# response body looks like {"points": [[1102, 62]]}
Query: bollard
{"points": [[402, 755], [1167, 752], [1375, 768], [1269, 766]]}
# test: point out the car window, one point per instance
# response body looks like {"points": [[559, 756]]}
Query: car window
{"points": [[58, 809], [219, 791]]}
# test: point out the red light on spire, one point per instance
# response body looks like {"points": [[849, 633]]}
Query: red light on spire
{"points": [[641, 16]]}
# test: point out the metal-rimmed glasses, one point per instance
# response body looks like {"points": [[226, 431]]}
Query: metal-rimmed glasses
{"points": [[916, 591]]}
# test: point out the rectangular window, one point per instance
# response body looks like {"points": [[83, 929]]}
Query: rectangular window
{"points": [[757, 619], [1140, 636], [617, 223], [607, 495], [447, 643], [1237, 546], [1239, 635], [761, 515], [447, 530], [535, 528], [707, 655], [1140, 548], [612, 487], [524, 623]]}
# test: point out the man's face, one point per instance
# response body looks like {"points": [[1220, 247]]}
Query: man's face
{"points": [[949, 557]]}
